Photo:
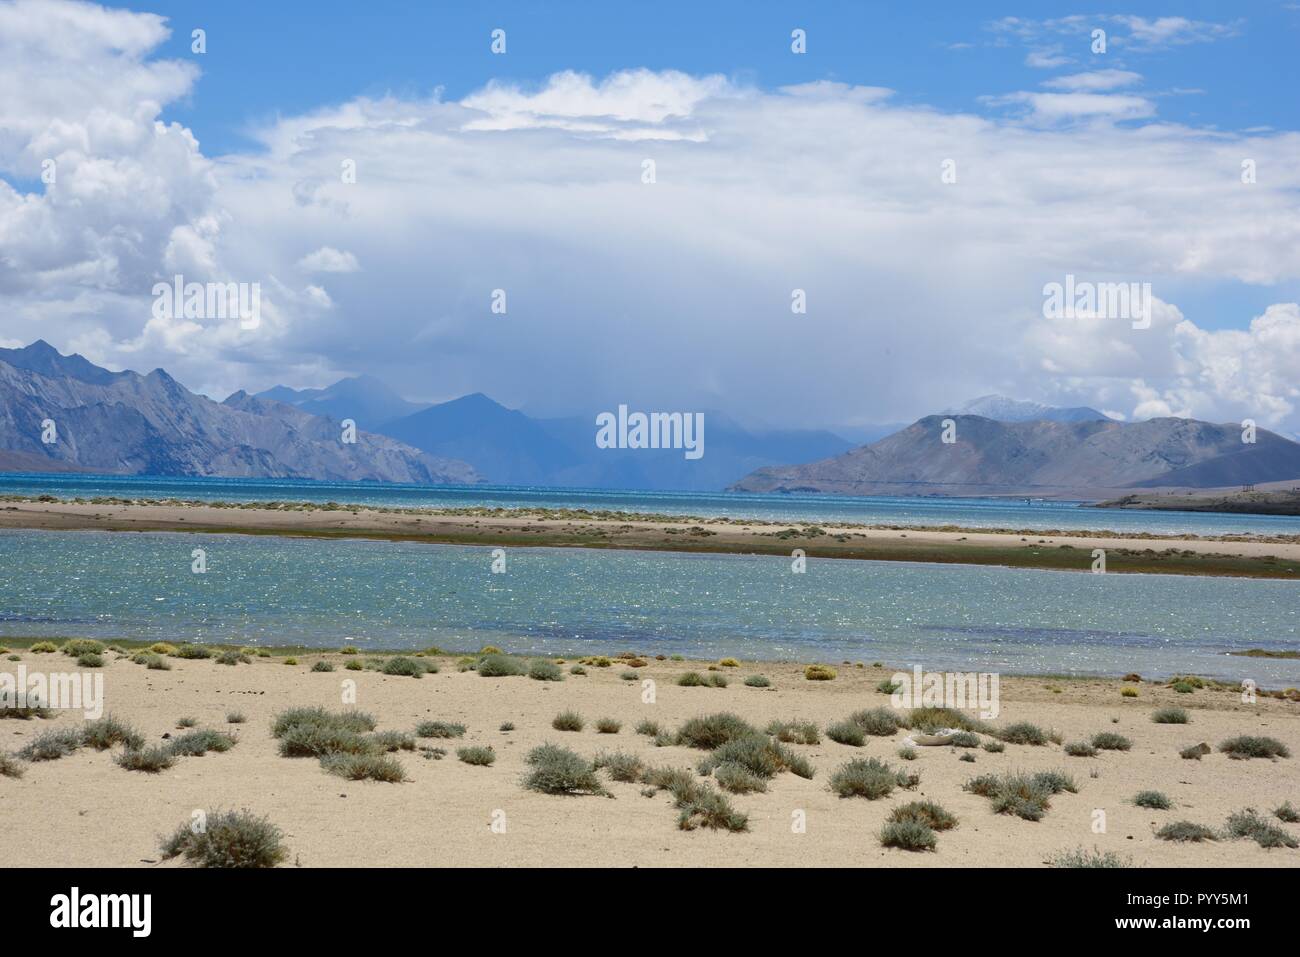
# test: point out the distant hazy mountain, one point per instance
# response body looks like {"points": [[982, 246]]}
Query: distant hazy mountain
{"points": [[126, 423], [516, 449], [1042, 454], [1002, 409], [365, 400]]}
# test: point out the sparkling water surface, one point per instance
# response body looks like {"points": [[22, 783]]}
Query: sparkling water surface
{"points": [[275, 591]]}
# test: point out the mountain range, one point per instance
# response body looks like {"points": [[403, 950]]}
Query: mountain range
{"points": [[1041, 456], [63, 413], [127, 423]]}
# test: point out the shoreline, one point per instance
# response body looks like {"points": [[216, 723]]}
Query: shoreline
{"points": [[1274, 557]]}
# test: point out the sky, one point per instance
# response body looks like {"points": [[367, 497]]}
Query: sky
{"points": [[920, 172]]}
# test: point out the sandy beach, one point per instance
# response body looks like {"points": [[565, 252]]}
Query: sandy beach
{"points": [[1260, 557], [84, 809]]}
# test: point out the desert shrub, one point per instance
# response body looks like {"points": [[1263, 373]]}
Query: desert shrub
{"points": [[868, 778], [729, 662], [907, 753], [191, 652], [44, 648], [233, 658], [33, 709], [348, 650], [314, 741], [152, 661], [1194, 752], [108, 731], [738, 779], [501, 666], [1080, 749], [52, 745], [1250, 746], [714, 730], [1186, 831], [757, 753], [924, 812], [557, 770], [795, 732], [888, 686], [1082, 857], [1169, 716], [717, 681], [1153, 800], [390, 741], [543, 670], [319, 717], [846, 732], [1248, 824], [1110, 741], [439, 729], [354, 664], [649, 728], [1287, 813], [1027, 796], [629, 676], [76, 647], [235, 717], [322, 666], [403, 667], [608, 726], [931, 720], [908, 835], [758, 681], [364, 767], [692, 679], [1129, 692], [994, 746], [819, 673], [198, 743], [291, 661], [162, 648], [186, 722], [481, 757], [1183, 687], [577, 670], [10, 766], [147, 760], [506, 726], [567, 721], [881, 722], [90, 660], [964, 739], [620, 766], [1022, 732]]}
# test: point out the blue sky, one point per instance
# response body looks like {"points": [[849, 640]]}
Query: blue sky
{"points": [[818, 172], [268, 58]]}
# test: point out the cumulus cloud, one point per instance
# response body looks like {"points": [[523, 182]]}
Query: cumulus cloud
{"points": [[673, 294], [1094, 81], [328, 259]]}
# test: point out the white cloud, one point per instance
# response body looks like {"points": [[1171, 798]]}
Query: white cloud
{"points": [[329, 259], [672, 295], [1094, 81]]}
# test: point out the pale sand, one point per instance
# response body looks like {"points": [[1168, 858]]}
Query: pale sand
{"points": [[84, 810]]}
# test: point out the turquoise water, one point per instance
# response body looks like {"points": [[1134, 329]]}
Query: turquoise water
{"points": [[403, 594], [967, 512]]}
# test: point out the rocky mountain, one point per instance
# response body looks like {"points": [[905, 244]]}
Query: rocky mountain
{"points": [[367, 401], [127, 423], [1002, 409], [1042, 456], [517, 449]]}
